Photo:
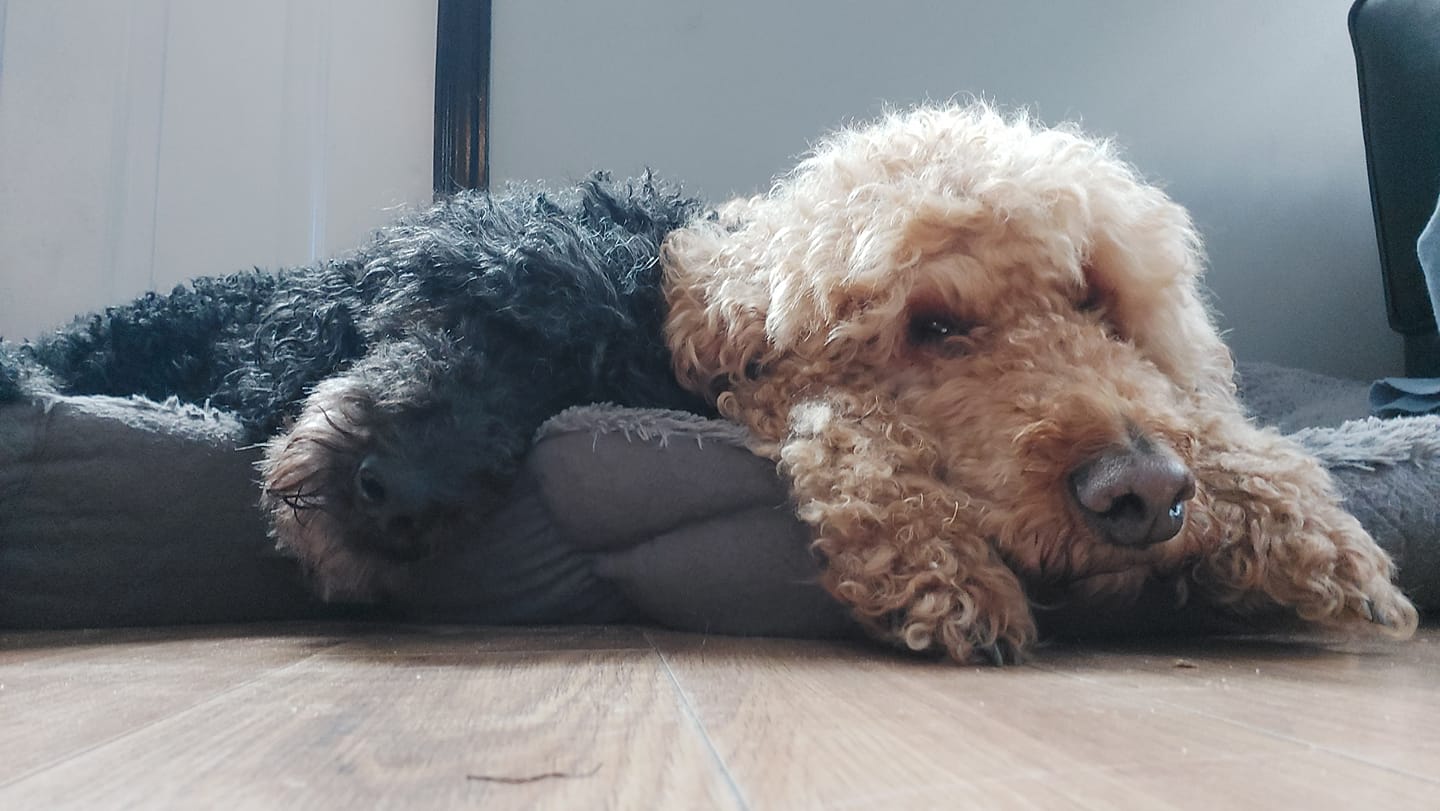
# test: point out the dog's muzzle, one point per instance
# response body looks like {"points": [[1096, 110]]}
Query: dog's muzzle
{"points": [[1133, 496]]}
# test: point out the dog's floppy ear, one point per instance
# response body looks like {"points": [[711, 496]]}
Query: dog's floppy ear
{"points": [[718, 298], [1145, 260]]}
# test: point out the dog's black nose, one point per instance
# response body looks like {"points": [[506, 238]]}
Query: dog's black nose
{"points": [[392, 498], [1135, 496]]}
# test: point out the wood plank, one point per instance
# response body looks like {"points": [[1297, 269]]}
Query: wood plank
{"points": [[1300, 779], [1377, 703], [323, 716], [450, 641], [63, 693], [808, 725], [397, 721]]}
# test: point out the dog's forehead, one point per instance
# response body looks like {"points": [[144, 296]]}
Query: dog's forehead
{"points": [[942, 243], [988, 282], [957, 233]]}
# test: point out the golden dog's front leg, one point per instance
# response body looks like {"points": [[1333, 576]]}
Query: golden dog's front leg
{"points": [[1278, 536], [893, 536]]}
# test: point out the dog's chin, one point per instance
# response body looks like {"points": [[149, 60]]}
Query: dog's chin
{"points": [[1100, 575], [417, 539], [1111, 589]]}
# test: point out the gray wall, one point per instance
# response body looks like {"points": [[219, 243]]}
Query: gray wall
{"points": [[146, 141], [1246, 111]]}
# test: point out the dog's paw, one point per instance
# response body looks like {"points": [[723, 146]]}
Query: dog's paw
{"points": [[972, 625], [1390, 610], [985, 645], [1349, 586], [1376, 604], [999, 653]]}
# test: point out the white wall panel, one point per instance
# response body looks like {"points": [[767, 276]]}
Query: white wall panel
{"points": [[143, 142]]}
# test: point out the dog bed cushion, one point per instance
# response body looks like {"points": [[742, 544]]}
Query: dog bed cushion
{"points": [[125, 511]]}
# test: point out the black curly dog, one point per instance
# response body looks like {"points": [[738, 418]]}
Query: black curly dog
{"points": [[398, 388]]}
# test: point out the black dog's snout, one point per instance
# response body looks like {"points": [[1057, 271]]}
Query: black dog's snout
{"points": [[1135, 496], [394, 498], [369, 484]]}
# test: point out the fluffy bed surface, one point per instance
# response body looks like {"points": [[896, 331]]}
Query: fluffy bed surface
{"points": [[124, 512]]}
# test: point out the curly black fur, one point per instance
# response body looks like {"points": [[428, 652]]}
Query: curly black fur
{"points": [[558, 293], [461, 329]]}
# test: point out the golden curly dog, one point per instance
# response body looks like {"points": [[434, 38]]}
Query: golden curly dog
{"points": [[979, 352]]}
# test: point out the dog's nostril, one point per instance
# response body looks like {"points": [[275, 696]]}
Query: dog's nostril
{"points": [[369, 484], [1134, 497], [1125, 507]]}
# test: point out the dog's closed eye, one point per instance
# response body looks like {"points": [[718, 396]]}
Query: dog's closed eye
{"points": [[1099, 305], [1093, 295], [937, 328]]}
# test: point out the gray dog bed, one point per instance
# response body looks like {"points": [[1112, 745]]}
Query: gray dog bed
{"points": [[127, 512]]}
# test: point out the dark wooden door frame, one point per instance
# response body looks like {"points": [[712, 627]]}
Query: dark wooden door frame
{"points": [[462, 96]]}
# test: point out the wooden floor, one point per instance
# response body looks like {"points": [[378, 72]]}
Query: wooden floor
{"points": [[579, 718]]}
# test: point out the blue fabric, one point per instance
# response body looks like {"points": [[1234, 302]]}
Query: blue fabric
{"points": [[1405, 396], [1428, 246]]}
